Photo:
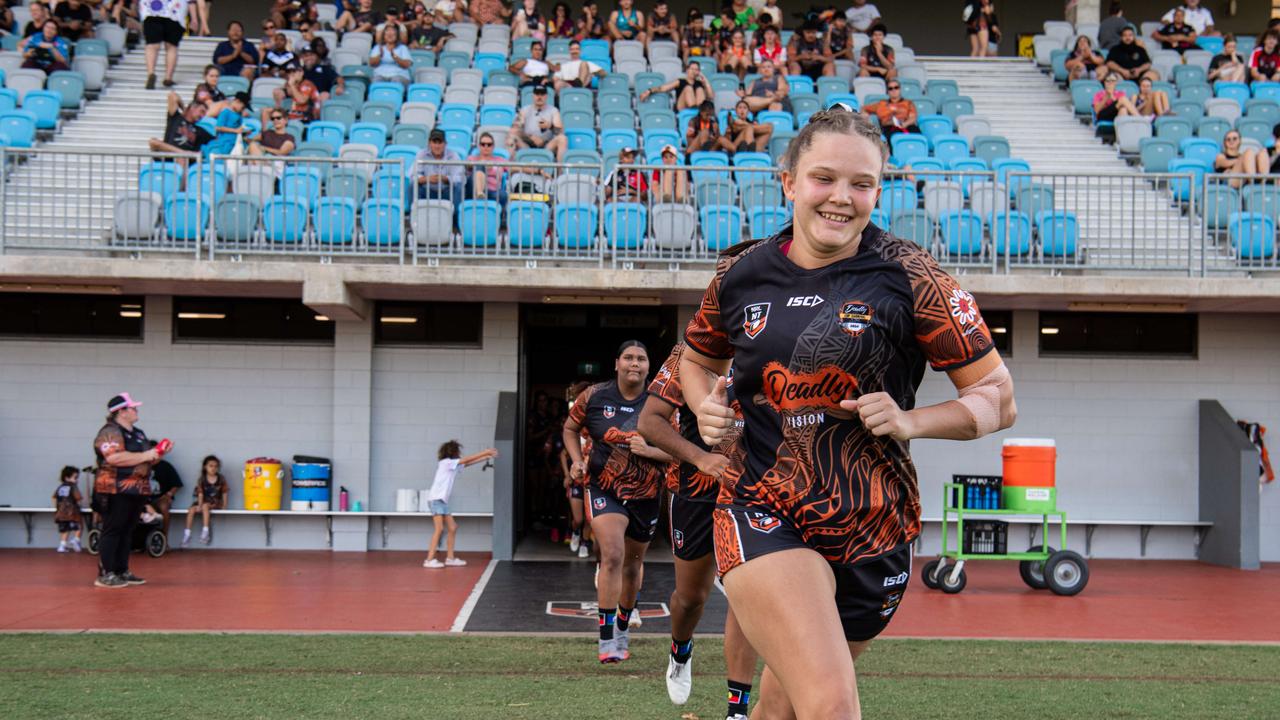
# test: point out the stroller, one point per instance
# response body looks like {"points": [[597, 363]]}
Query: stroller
{"points": [[148, 537]]}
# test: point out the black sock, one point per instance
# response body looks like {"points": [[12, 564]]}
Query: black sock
{"points": [[624, 618], [606, 616], [681, 650], [739, 697]]}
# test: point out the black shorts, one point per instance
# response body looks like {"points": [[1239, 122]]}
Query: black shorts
{"points": [[575, 491], [691, 527], [156, 30], [68, 526], [867, 592], [642, 515], [1109, 113]]}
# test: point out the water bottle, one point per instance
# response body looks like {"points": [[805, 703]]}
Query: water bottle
{"points": [[344, 499]]}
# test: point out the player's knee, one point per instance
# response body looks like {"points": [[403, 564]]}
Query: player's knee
{"points": [[835, 702]]}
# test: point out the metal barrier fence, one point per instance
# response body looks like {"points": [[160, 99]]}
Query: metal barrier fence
{"points": [[400, 210]]}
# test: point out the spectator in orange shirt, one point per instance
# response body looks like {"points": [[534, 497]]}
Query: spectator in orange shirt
{"points": [[897, 114]]}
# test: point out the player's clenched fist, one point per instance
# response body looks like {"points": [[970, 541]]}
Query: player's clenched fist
{"points": [[715, 417], [881, 415]]}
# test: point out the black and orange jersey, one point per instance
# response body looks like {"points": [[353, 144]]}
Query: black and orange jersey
{"points": [[684, 479], [803, 340], [610, 420]]}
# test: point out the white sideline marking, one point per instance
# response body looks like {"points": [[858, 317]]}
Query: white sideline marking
{"points": [[464, 614]]}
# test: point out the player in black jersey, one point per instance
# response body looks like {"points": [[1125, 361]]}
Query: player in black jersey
{"points": [[693, 483], [623, 473], [828, 327]]}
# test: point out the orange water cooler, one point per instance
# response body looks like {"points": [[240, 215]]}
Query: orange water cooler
{"points": [[1029, 475]]}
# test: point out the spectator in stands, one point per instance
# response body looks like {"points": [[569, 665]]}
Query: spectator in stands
{"points": [[235, 55], [67, 514], [1109, 103], [363, 19], [744, 15], [736, 58], [662, 24], [167, 482], [229, 126], [7, 21], [286, 13], [209, 494], [770, 48], [590, 24], [278, 59], [1229, 65], [1109, 30], [626, 23], [452, 10], [535, 70], [47, 51], [391, 16], [39, 13], [486, 180], [1196, 16], [560, 24], [1129, 60], [982, 26], [862, 15], [877, 59], [771, 14], [837, 41], [809, 56], [767, 92], [275, 138], [703, 133], [538, 126], [431, 33], [670, 185], [691, 90], [437, 180], [896, 113], [390, 58], [724, 26], [744, 132], [319, 72], [269, 30], [301, 92], [1176, 34], [76, 19], [1233, 161], [181, 133], [485, 12], [528, 22], [306, 36], [207, 92], [695, 41], [1264, 63], [162, 22], [1085, 62], [576, 72], [1150, 102], [626, 184]]}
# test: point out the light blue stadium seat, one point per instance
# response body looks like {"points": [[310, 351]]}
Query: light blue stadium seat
{"points": [[778, 119], [489, 63], [1266, 91], [1261, 199], [721, 226], [347, 182], [759, 165], [527, 224], [497, 115], [1182, 189], [391, 93], [284, 219], [625, 225], [208, 179], [759, 194], [335, 220], [951, 147], [161, 177], [800, 83], [898, 196], [1213, 128], [1200, 149], [1059, 233], [715, 191], [1265, 110], [186, 215], [576, 99], [91, 46], [458, 140], [338, 114], [577, 119], [933, 126], [1156, 154], [614, 139], [8, 98], [406, 154], [70, 87], [425, 93], [19, 126], [766, 221], [954, 107], [383, 114], [1236, 91], [383, 222], [368, 133], [331, 133], [236, 218], [391, 185], [990, 148], [655, 139], [412, 134], [961, 232], [1175, 128], [1034, 198], [941, 89], [301, 183], [1082, 92], [914, 225], [1253, 236], [576, 225], [880, 219], [847, 98], [479, 221], [1189, 75], [581, 139], [1221, 201], [708, 159], [907, 148], [1011, 233], [1255, 129]]}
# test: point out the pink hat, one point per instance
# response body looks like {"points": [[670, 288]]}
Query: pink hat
{"points": [[121, 401]]}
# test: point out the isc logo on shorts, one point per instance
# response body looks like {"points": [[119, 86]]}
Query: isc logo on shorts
{"points": [[760, 522], [899, 579], [598, 503]]}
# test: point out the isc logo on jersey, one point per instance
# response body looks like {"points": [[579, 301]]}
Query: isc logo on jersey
{"points": [[755, 317], [805, 301]]}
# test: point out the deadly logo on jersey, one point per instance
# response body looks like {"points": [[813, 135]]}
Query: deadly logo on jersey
{"points": [[963, 307], [755, 317], [760, 522], [610, 411], [790, 391], [855, 317]]}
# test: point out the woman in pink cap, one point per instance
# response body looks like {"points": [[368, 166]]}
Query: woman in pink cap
{"points": [[121, 488]]}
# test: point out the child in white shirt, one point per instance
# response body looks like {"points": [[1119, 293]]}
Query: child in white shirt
{"points": [[451, 461]]}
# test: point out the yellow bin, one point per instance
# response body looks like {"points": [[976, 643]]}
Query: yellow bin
{"points": [[263, 483]]}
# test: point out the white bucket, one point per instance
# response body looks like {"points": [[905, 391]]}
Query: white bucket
{"points": [[406, 500]]}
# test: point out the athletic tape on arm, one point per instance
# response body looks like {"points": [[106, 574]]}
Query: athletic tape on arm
{"points": [[982, 398]]}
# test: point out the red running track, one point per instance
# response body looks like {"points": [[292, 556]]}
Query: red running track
{"points": [[392, 592]]}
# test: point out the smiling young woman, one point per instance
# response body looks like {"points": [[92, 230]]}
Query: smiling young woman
{"points": [[828, 327]]}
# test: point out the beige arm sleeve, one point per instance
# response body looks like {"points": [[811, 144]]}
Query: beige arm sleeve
{"points": [[983, 399]]}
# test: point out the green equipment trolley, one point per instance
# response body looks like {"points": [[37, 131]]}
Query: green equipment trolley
{"points": [[978, 537]]}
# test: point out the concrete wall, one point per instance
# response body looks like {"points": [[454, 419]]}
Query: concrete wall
{"points": [[1127, 429]]}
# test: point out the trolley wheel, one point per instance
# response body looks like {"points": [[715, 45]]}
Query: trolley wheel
{"points": [[952, 586], [928, 576], [1032, 571], [1066, 572], [91, 541], [157, 543]]}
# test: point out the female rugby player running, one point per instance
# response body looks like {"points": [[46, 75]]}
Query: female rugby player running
{"points": [[828, 326], [622, 491], [693, 482]]}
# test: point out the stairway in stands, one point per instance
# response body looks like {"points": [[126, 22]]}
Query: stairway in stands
{"points": [[68, 200], [1125, 223]]}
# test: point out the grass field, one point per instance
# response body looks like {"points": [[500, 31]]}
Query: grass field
{"points": [[364, 676]]}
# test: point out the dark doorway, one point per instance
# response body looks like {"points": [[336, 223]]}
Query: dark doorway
{"points": [[562, 344]]}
